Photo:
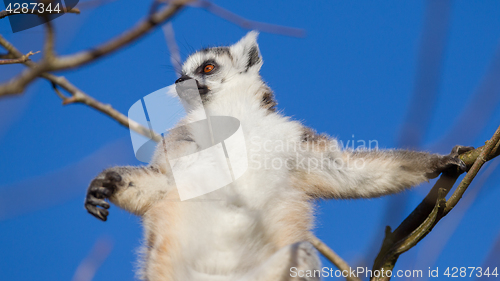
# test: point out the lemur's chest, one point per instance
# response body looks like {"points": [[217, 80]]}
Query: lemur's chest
{"points": [[209, 232], [239, 219]]}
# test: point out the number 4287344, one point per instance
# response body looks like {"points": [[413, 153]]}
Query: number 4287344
{"points": [[32, 8], [470, 271]]}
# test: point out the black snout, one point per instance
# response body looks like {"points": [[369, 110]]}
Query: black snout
{"points": [[183, 78], [202, 89]]}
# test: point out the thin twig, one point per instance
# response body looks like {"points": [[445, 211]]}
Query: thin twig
{"points": [[332, 256], [22, 59], [79, 96], [471, 174], [173, 48], [17, 84], [48, 48]]}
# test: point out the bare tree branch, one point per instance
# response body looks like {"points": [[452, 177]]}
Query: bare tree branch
{"points": [[488, 151], [431, 51], [332, 256], [434, 207], [470, 156], [407, 235], [51, 62], [78, 96], [17, 84], [48, 48], [173, 48], [432, 250], [143, 27]]}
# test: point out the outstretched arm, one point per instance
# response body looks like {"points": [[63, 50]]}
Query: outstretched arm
{"points": [[134, 189], [332, 173]]}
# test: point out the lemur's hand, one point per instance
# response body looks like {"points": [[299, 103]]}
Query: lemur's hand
{"points": [[451, 163], [100, 189]]}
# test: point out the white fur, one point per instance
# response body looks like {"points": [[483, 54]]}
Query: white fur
{"points": [[254, 228]]}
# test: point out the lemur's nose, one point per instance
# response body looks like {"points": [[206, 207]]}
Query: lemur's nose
{"points": [[182, 78]]}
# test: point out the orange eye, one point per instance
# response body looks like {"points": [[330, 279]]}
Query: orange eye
{"points": [[208, 68]]}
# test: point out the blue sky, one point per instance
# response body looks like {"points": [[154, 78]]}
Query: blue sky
{"points": [[352, 76]]}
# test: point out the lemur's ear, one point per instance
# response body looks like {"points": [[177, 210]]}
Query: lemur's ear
{"points": [[246, 52]]}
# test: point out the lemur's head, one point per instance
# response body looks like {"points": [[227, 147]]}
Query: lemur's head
{"points": [[234, 68]]}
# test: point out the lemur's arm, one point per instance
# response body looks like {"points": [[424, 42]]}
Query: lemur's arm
{"points": [[332, 173], [134, 189]]}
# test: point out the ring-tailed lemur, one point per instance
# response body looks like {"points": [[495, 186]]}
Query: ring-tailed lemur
{"points": [[259, 225]]}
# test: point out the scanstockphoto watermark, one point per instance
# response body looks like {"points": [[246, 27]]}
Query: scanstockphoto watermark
{"points": [[430, 272], [358, 272], [309, 156]]}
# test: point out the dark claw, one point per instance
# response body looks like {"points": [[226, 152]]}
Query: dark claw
{"points": [[101, 214], [451, 163], [458, 149], [462, 166], [98, 202]]}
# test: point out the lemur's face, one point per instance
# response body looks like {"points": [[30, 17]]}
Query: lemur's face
{"points": [[214, 68]]}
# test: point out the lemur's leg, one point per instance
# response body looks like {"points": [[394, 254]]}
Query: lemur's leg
{"points": [[134, 189], [372, 173], [291, 263]]}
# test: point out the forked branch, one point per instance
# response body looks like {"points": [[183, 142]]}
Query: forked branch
{"points": [[434, 207]]}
